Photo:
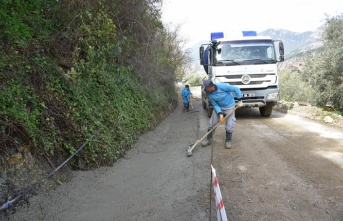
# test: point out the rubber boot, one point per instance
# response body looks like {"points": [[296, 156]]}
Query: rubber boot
{"points": [[228, 143], [208, 141]]}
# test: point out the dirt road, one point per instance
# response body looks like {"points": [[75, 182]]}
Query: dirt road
{"points": [[281, 168]]}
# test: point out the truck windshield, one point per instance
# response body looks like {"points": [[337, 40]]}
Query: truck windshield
{"points": [[245, 52]]}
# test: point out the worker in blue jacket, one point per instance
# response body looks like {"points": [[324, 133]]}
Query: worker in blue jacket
{"points": [[220, 96], [186, 97]]}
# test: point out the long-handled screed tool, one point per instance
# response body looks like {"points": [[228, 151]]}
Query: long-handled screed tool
{"points": [[191, 147]]}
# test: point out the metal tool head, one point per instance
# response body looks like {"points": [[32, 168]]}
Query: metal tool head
{"points": [[189, 152]]}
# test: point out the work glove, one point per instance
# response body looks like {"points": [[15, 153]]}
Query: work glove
{"points": [[240, 104], [221, 118]]}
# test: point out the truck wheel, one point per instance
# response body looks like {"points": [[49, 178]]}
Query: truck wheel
{"points": [[209, 111], [203, 104], [266, 111]]}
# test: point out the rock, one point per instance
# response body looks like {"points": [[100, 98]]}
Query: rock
{"points": [[328, 119], [303, 104], [15, 157]]}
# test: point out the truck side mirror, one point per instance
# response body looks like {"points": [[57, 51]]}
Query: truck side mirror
{"points": [[201, 54], [282, 51]]}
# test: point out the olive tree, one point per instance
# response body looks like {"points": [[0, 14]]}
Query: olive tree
{"points": [[325, 71]]}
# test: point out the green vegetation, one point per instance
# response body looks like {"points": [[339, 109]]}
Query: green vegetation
{"points": [[320, 81], [69, 69], [294, 88]]}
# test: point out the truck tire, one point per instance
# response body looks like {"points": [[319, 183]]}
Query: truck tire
{"points": [[203, 104], [203, 100], [209, 111], [266, 111]]}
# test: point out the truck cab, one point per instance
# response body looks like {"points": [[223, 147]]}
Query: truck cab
{"points": [[249, 62]]}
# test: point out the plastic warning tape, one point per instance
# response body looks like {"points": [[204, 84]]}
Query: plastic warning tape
{"points": [[221, 213]]}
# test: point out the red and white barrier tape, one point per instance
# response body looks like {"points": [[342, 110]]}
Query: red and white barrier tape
{"points": [[221, 213]]}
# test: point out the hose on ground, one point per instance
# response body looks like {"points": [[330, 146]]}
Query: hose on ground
{"points": [[10, 203]]}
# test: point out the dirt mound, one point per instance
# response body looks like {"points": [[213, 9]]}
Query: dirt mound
{"points": [[326, 116]]}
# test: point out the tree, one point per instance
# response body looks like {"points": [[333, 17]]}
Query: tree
{"points": [[325, 72]]}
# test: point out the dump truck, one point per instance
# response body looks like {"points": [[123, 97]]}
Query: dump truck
{"points": [[248, 61]]}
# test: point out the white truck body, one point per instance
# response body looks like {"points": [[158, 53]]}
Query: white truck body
{"points": [[250, 63]]}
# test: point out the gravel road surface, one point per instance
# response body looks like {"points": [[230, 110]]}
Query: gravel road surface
{"points": [[280, 168]]}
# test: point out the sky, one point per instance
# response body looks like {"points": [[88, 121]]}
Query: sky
{"points": [[237, 15]]}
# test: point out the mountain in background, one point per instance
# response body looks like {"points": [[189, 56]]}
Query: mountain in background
{"points": [[292, 40], [297, 45]]}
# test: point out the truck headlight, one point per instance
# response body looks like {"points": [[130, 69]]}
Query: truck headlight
{"points": [[273, 96], [273, 80]]}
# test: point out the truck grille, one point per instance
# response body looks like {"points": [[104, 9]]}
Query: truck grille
{"points": [[255, 80], [251, 83]]}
